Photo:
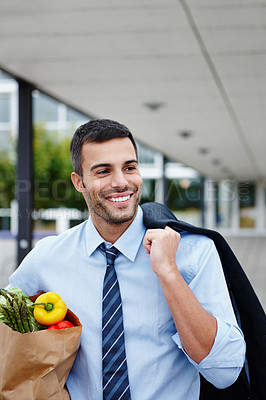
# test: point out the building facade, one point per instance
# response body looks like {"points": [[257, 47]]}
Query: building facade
{"points": [[230, 206]]}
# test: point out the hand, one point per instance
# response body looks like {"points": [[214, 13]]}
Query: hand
{"points": [[196, 327], [162, 246]]}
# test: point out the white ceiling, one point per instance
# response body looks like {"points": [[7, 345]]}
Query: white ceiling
{"points": [[203, 62]]}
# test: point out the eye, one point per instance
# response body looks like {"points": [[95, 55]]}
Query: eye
{"points": [[103, 172], [130, 168]]}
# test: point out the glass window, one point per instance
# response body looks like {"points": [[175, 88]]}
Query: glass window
{"points": [[146, 155], [7, 174], [4, 75], [247, 201], [265, 201], [44, 108], [148, 191], [4, 107], [224, 196], [5, 223], [184, 198], [44, 225], [73, 115], [183, 193], [5, 140]]}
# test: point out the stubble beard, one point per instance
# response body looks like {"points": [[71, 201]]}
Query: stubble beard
{"points": [[97, 206]]}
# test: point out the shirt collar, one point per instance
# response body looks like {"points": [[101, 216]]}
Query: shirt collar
{"points": [[133, 236]]}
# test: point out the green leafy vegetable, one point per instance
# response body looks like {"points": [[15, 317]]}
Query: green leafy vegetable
{"points": [[16, 311]]}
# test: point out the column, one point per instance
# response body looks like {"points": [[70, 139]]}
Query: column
{"points": [[24, 183], [161, 181], [209, 204]]}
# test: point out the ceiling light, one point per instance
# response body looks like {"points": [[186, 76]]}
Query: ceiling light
{"points": [[154, 106], [226, 170], [185, 134], [216, 161], [203, 150]]}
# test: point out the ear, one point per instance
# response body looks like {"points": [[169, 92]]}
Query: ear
{"points": [[77, 182]]}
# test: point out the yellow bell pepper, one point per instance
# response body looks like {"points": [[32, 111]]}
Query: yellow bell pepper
{"points": [[49, 309]]}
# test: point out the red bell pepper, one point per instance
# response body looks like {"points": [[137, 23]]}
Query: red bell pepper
{"points": [[61, 325]]}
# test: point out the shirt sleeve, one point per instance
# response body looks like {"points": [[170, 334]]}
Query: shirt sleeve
{"points": [[223, 364], [26, 276]]}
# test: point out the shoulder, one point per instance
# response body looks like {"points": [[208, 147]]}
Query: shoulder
{"points": [[194, 253], [63, 239], [196, 242], [196, 248], [44, 263]]}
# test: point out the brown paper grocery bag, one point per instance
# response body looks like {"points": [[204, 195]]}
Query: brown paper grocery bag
{"points": [[35, 366]]}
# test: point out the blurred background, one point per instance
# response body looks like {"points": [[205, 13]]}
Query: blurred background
{"points": [[188, 78]]}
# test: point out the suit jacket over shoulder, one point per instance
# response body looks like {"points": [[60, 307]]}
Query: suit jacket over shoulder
{"points": [[251, 383]]}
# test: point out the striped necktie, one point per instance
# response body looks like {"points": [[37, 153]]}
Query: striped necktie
{"points": [[114, 363]]}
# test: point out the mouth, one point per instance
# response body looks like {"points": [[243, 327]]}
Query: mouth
{"points": [[118, 199]]}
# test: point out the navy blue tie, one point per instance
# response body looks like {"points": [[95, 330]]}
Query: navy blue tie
{"points": [[114, 363]]}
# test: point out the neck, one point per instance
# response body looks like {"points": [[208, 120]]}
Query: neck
{"points": [[110, 232]]}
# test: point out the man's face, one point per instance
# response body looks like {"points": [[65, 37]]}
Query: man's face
{"points": [[112, 181]]}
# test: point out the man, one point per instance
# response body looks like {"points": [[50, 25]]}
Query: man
{"points": [[177, 316]]}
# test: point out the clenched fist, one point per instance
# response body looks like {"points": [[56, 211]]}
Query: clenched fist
{"points": [[162, 246]]}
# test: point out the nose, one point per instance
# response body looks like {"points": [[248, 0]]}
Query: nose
{"points": [[119, 179]]}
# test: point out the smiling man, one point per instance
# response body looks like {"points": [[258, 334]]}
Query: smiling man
{"points": [[111, 187], [158, 314]]}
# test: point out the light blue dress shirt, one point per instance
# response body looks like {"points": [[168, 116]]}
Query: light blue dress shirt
{"points": [[72, 265]]}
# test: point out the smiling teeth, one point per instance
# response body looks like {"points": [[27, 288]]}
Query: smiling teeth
{"points": [[118, 199]]}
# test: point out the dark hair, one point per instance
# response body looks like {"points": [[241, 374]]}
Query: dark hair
{"points": [[96, 131]]}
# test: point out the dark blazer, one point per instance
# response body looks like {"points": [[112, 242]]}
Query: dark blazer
{"points": [[251, 383]]}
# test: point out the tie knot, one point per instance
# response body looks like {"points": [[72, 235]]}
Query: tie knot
{"points": [[110, 253]]}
